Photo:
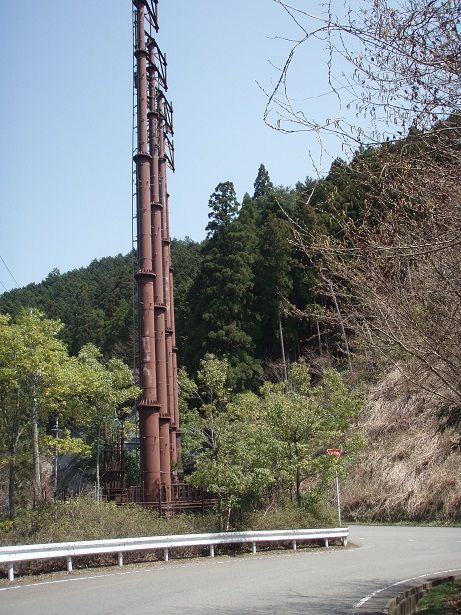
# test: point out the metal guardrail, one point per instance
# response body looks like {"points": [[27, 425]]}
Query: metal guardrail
{"points": [[68, 550]]}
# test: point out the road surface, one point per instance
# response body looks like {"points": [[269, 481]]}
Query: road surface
{"points": [[314, 582]]}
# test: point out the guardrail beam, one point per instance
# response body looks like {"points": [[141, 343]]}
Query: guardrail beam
{"points": [[68, 550]]}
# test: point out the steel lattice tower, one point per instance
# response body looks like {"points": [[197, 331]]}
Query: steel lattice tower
{"points": [[158, 405]]}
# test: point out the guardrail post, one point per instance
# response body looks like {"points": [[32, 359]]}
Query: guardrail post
{"points": [[120, 558], [10, 571], [295, 546], [165, 555], [254, 548], [69, 564], [344, 541], [211, 550], [326, 543]]}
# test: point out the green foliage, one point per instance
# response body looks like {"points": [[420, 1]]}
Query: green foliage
{"points": [[108, 393], [224, 208], [233, 462], [40, 381], [107, 386], [66, 445], [230, 290], [191, 428], [5, 527], [94, 303], [274, 282], [304, 418], [212, 379], [223, 290], [186, 256], [37, 379], [257, 447], [262, 184]]}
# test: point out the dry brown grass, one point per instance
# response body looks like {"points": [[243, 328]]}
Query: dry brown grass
{"points": [[409, 470]]}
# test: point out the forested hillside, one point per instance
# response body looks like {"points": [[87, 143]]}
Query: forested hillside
{"points": [[95, 304], [234, 292], [235, 296]]}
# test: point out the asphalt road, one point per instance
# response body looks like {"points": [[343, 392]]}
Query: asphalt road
{"points": [[315, 582]]}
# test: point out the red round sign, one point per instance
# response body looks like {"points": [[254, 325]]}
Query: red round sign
{"points": [[337, 452]]}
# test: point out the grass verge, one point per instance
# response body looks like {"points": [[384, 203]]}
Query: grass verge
{"points": [[445, 599]]}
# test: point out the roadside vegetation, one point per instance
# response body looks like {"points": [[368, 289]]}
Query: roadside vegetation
{"points": [[257, 451], [85, 519], [445, 599]]}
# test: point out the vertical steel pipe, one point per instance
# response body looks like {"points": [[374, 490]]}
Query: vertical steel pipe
{"points": [[159, 290], [176, 437], [148, 404], [167, 283]]}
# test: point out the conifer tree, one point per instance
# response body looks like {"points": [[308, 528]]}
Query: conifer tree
{"points": [[273, 268], [262, 183], [187, 261], [224, 208], [223, 290]]}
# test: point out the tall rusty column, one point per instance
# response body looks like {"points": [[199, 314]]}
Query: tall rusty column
{"points": [[175, 437], [148, 406], [159, 290], [158, 406], [165, 117]]}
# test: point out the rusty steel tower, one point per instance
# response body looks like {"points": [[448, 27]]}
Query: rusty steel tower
{"points": [[158, 405]]}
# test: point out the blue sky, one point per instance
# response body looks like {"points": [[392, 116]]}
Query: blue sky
{"points": [[65, 122]]}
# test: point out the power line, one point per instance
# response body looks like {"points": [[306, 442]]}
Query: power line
{"points": [[3, 286], [9, 271]]}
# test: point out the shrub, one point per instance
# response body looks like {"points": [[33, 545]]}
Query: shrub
{"points": [[85, 519]]}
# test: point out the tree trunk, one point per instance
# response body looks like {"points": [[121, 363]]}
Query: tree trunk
{"points": [[229, 510], [282, 347], [221, 520], [37, 482], [56, 458], [11, 480], [298, 487], [341, 324], [319, 337], [98, 482]]}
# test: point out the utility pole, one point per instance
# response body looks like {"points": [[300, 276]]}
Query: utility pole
{"points": [[158, 404], [335, 453]]}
